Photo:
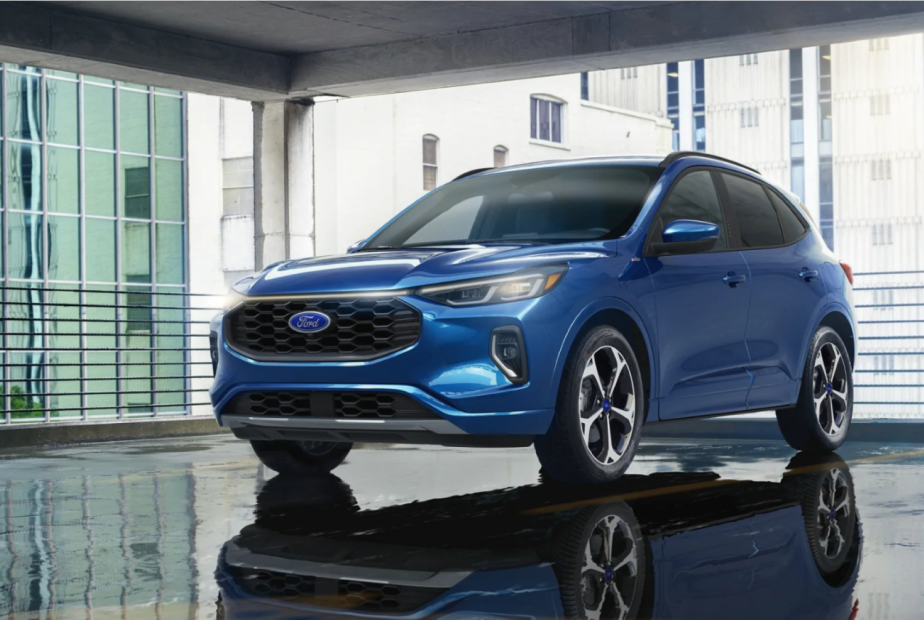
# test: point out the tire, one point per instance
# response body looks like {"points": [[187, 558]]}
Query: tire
{"points": [[820, 420], [300, 457], [599, 558], [578, 447]]}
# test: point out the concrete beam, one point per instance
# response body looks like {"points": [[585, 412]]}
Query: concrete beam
{"points": [[620, 38], [35, 34]]}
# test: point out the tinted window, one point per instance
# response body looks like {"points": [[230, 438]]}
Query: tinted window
{"points": [[546, 205], [693, 197], [793, 228], [757, 219]]}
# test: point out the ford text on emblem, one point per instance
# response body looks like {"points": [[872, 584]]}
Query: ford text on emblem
{"points": [[309, 322]]}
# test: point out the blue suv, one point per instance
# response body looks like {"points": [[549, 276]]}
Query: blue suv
{"points": [[561, 304]]}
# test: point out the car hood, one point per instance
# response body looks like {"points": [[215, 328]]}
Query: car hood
{"points": [[403, 269]]}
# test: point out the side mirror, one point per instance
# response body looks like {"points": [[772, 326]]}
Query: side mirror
{"points": [[687, 237], [355, 246]]}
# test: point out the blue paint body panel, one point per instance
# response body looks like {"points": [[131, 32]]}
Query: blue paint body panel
{"points": [[713, 347]]}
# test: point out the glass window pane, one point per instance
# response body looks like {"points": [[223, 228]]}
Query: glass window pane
{"points": [[693, 197], [24, 176], [136, 252], [102, 309], [97, 80], [133, 121], [63, 180], [758, 222], [25, 245], [136, 187], [169, 239], [556, 121], [99, 177], [62, 74], [98, 117], [793, 228], [101, 261], [169, 185], [63, 247], [168, 130], [23, 106], [544, 120], [61, 111]]}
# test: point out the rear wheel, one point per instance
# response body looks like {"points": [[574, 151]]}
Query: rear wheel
{"points": [[300, 457], [599, 413], [821, 418]]}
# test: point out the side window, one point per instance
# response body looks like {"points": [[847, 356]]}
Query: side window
{"points": [[793, 227], [757, 219], [693, 197]]}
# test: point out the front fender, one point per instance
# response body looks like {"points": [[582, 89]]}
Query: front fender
{"points": [[581, 320]]}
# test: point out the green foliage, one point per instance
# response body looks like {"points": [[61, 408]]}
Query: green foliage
{"points": [[22, 404]]}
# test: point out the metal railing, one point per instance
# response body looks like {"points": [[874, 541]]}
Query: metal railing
{"points": [[86, 354], [889, 373]]}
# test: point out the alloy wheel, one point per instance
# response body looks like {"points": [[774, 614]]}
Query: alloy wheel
{"points": [[829, 390], [833, 513], [606, 404], [610, 570]]}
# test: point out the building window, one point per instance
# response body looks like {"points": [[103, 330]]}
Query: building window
{"points": [[545, 117], [750, 117], [882, 234], [747, 60], [673, 101], [883, 299], [430, 165], [878, 45], [585, 86], [879, 105], [881, 169], [796, 125], [94, 219], [628, 73], [699, 105], [500, 156]]}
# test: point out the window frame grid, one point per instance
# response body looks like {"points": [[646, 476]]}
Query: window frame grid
{"points": [[47, 284]]}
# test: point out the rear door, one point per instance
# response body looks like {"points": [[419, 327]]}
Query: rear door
{"points": [[786, 287], [701, 304]]}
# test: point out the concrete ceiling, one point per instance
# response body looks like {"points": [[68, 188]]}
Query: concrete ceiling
{"points": [[272, 50]]}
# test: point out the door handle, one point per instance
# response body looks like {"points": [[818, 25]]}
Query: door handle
{"points": [[733, 280], [808, 274]]}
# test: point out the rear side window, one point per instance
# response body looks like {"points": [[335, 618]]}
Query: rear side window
{"points": [[758, 223], [693, 197], [793, 227]]}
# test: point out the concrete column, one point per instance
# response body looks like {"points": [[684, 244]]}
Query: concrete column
{"points": [[685, 84], [811, 126], [283, 171]]}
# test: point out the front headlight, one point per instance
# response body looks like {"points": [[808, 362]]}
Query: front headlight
{"points": [[525, 284]]}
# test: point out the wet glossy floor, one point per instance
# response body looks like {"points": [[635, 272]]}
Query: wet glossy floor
{"points": [[195, 528]]}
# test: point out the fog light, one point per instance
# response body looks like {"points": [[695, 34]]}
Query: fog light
{"points": [[509, 353]]}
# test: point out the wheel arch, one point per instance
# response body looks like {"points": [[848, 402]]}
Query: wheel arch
{"points": [[615, 313], [837, 321]]}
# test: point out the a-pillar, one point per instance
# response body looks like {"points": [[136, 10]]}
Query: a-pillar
{"points": [[283, 175]]}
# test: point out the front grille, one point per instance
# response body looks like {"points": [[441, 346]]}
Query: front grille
{"points": [[360, 329], [347, 405], [333, 593]]}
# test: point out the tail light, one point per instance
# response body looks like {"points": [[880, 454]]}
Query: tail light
{"points": [[847, 272]]}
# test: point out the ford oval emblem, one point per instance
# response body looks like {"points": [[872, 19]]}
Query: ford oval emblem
{"points": [[309, 322]]}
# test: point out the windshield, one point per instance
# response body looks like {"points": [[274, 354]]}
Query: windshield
{"points": [[550, 205]]}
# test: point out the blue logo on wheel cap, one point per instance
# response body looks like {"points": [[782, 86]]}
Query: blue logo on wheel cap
{"points": [[309, 322]]}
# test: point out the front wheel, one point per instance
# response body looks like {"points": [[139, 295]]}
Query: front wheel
{"points": [[300, 457], [599, 413], [821, 418]]}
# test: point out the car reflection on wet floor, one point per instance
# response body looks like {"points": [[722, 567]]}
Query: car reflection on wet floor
{"points": [[663, 545]]}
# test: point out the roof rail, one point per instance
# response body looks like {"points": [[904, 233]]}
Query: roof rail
{"points": [[471, 172], [667, 161]]}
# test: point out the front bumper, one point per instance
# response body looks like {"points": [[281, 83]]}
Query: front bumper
{"points": [[449, 370]]}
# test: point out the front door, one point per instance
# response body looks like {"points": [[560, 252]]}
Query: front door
{"points": [[702, 304]]}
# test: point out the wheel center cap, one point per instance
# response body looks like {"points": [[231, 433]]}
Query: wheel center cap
{"points": [[609, 574], [606, 404], [829, 388], [831, 514]]}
